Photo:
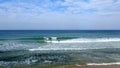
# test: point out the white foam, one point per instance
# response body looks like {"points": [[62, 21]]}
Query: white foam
{"points": [[79, 44], [86, 40], [16, 45], [54, 49], [59, 49], [116, 63]]}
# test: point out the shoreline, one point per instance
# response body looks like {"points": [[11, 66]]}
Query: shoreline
{"points": [[89, 65], [93, 65]]}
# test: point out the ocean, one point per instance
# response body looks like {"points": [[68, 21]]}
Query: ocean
{"points": [[54, 47]]}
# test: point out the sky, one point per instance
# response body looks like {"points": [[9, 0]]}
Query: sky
{"points": [[59, 14]]}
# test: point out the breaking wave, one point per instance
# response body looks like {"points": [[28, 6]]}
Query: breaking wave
{"points": [[79, 44], [85, 40], [115, 63]]}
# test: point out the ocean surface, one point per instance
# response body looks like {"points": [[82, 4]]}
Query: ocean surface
{"points": [[30, 47]]}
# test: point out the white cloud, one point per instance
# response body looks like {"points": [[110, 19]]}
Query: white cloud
{"points": [[73, 6], [100, 6], [77, 14]]}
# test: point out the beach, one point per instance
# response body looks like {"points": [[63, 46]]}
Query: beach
{"points": [[93, 66]]}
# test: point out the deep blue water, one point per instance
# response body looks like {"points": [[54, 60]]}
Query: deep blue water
{"points": [[49, 33]]}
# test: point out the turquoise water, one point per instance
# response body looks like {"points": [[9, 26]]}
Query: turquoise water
{"points": [[72, 46]]}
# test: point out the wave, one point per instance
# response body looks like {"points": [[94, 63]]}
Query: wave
{"points": [[79, 44], [68, 39], [56, 49], [16, 45], [116, 63], [65, 49], [43, 38], [87, 40]]}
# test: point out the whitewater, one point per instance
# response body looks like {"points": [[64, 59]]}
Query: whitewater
{"points": [[85, 40], [79, 44], [47, 47]]}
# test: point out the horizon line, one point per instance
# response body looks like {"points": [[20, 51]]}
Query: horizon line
{"points": [[60, 29]]}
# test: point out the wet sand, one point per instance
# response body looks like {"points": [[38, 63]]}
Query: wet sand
{"points": [[93, 66]]}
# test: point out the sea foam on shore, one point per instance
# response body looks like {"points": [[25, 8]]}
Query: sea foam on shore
{"points": [[116, 63]]}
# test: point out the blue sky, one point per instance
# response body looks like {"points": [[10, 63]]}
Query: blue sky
{"points": [[59, 14]]}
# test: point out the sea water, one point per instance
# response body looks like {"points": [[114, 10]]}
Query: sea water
{"points": [[29, 47]]}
